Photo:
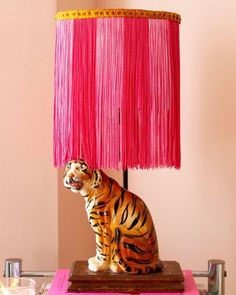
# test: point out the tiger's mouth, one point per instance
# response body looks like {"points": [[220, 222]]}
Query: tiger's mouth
{"points": [[75, 183]]}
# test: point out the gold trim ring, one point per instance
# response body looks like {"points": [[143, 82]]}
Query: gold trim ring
{"points": [[107, 13]]}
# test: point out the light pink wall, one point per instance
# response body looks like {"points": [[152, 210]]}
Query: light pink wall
{"points": [[28, 181], [75, 4], [193, 209]]}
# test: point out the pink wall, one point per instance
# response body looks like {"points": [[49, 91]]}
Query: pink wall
{"points": [[194, 208], [28, 181], [75, 4]]}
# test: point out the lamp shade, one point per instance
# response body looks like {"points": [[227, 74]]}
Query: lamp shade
{"points": [[117, 88]]}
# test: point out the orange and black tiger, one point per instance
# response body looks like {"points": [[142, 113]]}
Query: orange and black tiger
{"points": [[125, 234]]}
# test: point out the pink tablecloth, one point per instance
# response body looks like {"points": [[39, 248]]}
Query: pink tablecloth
{"points": [[60, 284]]}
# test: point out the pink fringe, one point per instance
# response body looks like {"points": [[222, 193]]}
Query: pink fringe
{"points": [[135, 104], [109, 74], [63, 93], [117, 95]]}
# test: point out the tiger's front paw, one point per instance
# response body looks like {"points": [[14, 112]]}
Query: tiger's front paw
{"points": [[95, 265]]}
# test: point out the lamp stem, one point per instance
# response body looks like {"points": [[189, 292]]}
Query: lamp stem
{"points": [[125, 179]]}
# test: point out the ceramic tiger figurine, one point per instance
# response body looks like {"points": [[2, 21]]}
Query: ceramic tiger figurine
{"points": [[125, 234]]}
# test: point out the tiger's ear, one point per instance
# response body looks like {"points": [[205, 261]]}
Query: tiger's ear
{"points": [[83, 166], [97, 179]]}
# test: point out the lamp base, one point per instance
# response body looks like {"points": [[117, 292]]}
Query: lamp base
{"points": [[170, 279]]}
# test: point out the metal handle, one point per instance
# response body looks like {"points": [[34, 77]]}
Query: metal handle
{"points": [[216, 279], [34, 274], [13, 268]]}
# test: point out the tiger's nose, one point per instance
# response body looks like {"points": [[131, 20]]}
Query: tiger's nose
{"points": [[71, 175]]}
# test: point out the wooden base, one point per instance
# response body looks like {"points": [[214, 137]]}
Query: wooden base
{"points": [[170, 279]]}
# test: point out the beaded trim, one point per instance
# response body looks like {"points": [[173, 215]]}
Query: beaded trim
{"points": [[101, 13]]}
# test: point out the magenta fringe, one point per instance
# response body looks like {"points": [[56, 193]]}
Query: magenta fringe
{"points": [[117, 93]]}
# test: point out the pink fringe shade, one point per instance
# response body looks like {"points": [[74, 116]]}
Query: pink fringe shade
{"points": [[117, 93]]}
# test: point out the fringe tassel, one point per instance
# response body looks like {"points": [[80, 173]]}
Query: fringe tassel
{"points": [[83, 112], [117, 95], [109, 73], [63, 93]]}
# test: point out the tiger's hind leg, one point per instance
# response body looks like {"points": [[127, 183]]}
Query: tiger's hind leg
{"points": [[135, 255], [119, 261]]}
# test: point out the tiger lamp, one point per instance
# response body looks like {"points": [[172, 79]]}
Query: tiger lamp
{"points": [[124, 231]]}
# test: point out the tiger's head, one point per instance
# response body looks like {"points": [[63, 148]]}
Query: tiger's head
{"points": [[78, 177]]}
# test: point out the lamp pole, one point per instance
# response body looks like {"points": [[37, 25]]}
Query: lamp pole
{"points": [[125, 179]]}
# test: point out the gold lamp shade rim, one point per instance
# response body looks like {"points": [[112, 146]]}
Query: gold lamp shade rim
{"points": [[117, 13]]}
